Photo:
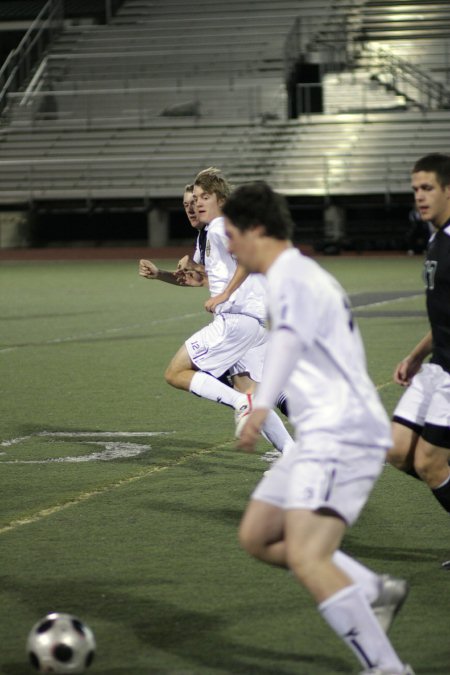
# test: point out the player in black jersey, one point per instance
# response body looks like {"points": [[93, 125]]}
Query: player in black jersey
{"points": [[421, 421]]}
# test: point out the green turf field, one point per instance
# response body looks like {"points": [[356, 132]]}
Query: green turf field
{"points": [[121, 497]]}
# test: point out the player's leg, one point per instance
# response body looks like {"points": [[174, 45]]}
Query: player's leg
{"points": [[312, 537], [385, 593], [273, 428], [262, 535], [208, 353], [401, 454], [261, 532], [421, 431], [431, 464], [182, 374], [409, 419]]}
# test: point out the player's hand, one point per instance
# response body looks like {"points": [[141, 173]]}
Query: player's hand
{"points": [[251, 430], [193, 278], [212, 303], [148, 270], [183, 263], [405, 371]]}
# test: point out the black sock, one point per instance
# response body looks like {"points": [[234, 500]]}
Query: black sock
{"points": [[282, 404], [412, 472], [442, 494]]}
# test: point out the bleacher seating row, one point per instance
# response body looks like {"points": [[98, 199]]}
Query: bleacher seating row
{"points": [[323, 154]]}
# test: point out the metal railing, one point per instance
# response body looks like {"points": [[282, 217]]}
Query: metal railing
{"points": [[334, 36], [407, 79], [20, 62], [338, 44]]}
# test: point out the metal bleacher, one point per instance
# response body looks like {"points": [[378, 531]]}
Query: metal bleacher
{"points": [[133, 108]]}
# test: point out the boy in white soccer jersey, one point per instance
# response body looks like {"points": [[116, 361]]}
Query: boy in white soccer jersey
{"points": [[299, 512], [236, 339]]}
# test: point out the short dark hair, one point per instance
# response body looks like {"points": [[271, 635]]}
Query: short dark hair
{"points": [[437, 163], [257, 203]]}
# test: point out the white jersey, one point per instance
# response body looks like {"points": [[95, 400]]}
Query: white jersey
{"points": [[220, 265], [197, 258], [328, 390]]}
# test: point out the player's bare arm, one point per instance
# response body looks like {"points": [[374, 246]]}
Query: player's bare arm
{"points": [[411, 364], [238, 278], [149, 270]]}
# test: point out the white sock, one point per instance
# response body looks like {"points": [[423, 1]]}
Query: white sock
{"points": [[363, 576], [349, 614], [206, 386], [447, 480], [276, 433]]}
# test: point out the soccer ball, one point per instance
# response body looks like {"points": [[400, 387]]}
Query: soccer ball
{"points": [[61, 643]]}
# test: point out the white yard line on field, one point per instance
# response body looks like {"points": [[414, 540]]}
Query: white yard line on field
{"points": [[388, 302], [123, 482]]}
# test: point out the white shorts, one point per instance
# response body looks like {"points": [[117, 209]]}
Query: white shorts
{"points": [[425, 405], [341, 481], [234, 342]]}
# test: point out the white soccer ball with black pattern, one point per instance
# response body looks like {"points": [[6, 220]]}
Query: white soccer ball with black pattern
{"points": [[61, 643]]}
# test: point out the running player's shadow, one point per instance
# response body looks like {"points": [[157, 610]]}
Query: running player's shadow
{"points": [[395, 553]]}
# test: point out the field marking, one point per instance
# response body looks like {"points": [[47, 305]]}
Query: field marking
{"points": [[101, 333], [112, 449], [85, 496], [387, 302], [385, 384], [83, 434]]}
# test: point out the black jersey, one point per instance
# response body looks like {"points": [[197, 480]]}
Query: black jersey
{"points": [[437, 281]]}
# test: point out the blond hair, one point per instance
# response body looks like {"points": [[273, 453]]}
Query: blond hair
{"points": [[212, 181]]}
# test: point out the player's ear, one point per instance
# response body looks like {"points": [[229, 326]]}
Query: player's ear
{"points": [[259, 230]]}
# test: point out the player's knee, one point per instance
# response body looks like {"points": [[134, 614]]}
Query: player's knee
{"points": [[249, 541], [304, 566], [168, 376], [171, 375], [431, 464]]}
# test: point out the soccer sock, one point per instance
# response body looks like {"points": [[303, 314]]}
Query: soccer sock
{"points": [[207, 386], [363, 576], [282, 404], [349, 614], [276, 433], [442, 494]]}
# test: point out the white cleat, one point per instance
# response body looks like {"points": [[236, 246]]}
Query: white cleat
{"points": [[241, 414], [392, 595], [407, 670]]}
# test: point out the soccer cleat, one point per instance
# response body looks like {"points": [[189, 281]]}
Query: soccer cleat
{"points": [[390, 599], [241, 413], [446, 565], [407, 670]]}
